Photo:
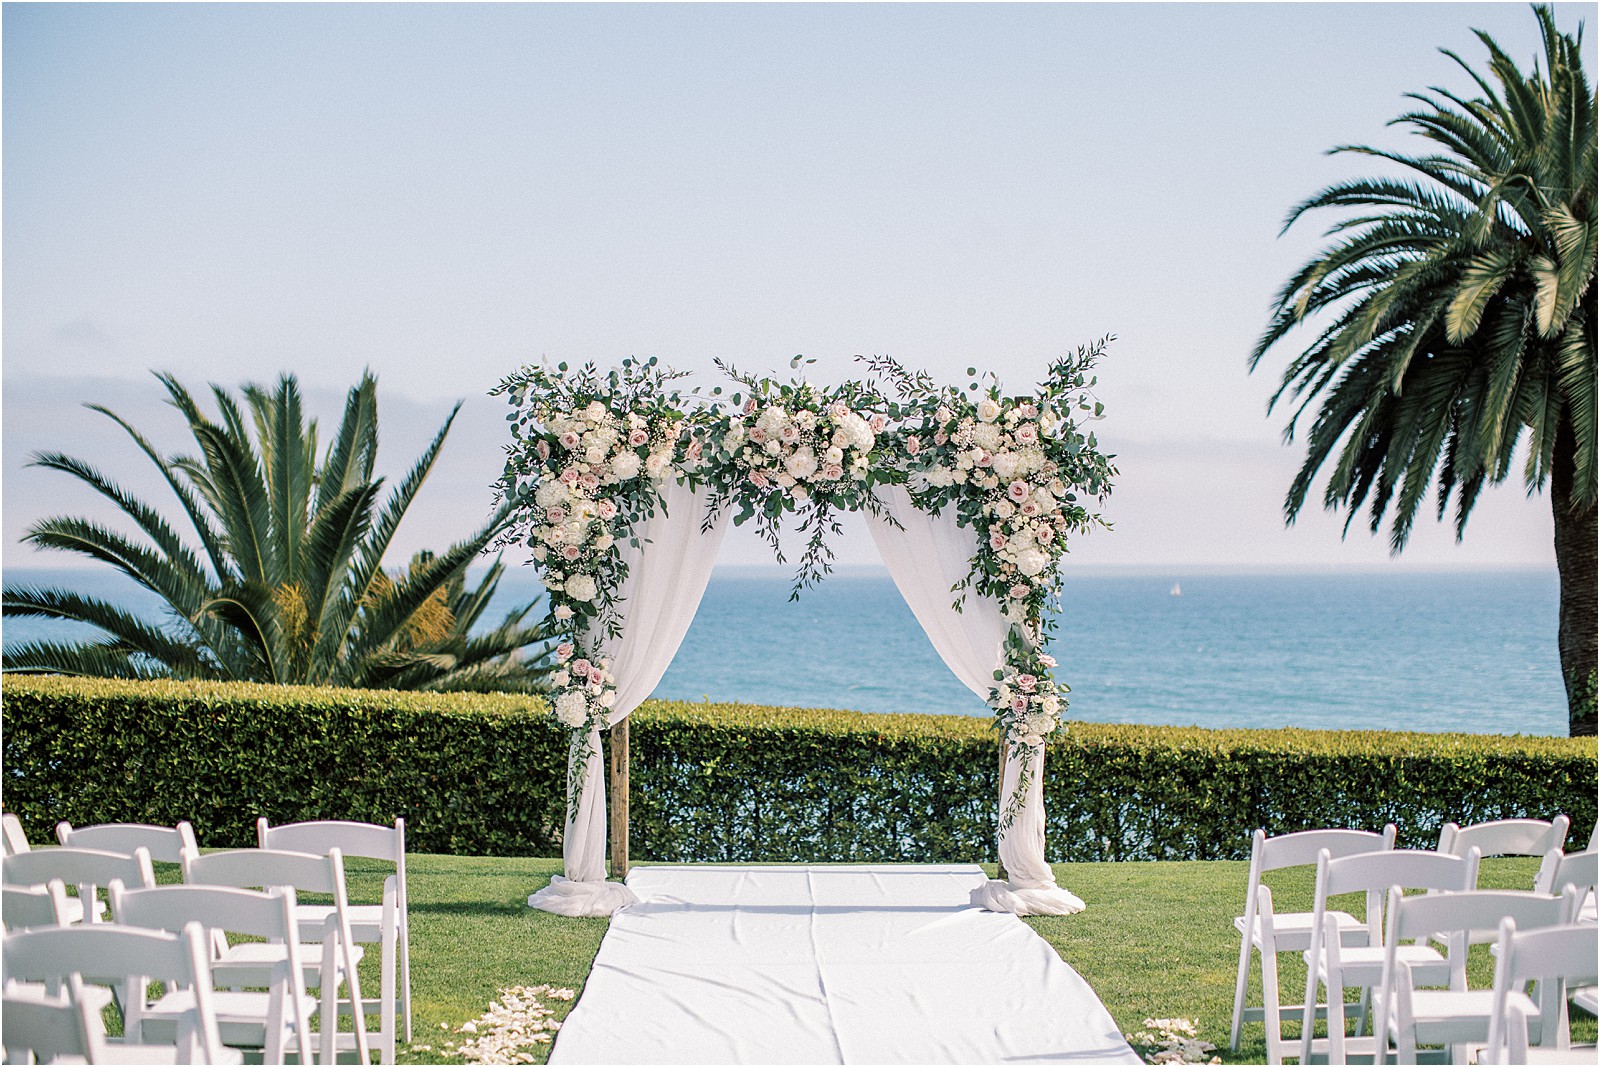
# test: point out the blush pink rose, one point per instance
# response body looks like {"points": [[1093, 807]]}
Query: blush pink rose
{"points": [[570, 476], [571, 552], [750, 406], [637, 438], [543, 448], [789, 434], [997, 540], [580, 667], [608, 509], [564, 652], [1017, 491], [1047, 661], [1027, 434], [1027, 409], [589, 481], [695, 449], [596, 675], [1020, 704], [570, 439], [1029, 508], [941, 438], [1026, 682], [832, 472], [1044, 535], [913, 445], [758, 435], [758, 479], [1020, 592], [984, 460], [556, 514], [878, 422], [839, 409]]}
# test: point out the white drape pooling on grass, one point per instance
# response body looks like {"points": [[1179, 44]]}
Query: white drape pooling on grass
{"points": [[926, 556], [667, 575]]}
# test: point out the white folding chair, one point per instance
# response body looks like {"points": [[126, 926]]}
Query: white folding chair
{"points": [[1561, 869], [327, 964], [1456, 1016], [51, 1027], [385, 924], [12, 839], [164, 843], [1263, 931], [120, 955], [87, 869], [1557, 958], [23, 907], [1337, 968], [277, 1021], [1505, 837]]}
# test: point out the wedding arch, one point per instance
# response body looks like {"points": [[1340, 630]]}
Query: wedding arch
{"points": [[622, 484]]}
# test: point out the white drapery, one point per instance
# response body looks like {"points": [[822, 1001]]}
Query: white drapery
{"points": [[667, 575], [926, 556]]}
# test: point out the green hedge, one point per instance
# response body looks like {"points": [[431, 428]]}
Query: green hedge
{"points": [[477, 774]]}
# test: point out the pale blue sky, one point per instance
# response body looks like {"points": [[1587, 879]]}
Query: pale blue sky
{"points": [[444, 192]]}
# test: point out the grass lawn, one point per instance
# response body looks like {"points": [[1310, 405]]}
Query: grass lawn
{"points": [[1157, 940]]}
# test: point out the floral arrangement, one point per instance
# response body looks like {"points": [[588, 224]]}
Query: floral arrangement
{"points": [[1172, 1041], [1018, 470], [592, 450], [795, 448], [589, 455]]}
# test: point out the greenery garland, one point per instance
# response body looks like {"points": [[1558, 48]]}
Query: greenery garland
{"points": [[591, 451]]}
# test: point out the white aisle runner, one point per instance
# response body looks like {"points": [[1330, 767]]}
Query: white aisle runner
{"points": [[858, 964]]}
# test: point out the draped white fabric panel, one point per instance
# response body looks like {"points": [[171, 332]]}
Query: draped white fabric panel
{"points": [[667, 576], [926, 556]]}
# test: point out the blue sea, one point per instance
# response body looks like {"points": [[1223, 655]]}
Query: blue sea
{"points": [[1432, 651]]}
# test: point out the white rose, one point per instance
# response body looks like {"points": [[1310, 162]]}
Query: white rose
{"points": [[834, 454], [581, 587], [561, 679], [1032, 561], [625, 465], [577, 532], [1005, 509], [604, 541], [540, 552], [608, 698], [595, 411], [656, 465], [1051, 705], [595, 455], [988, 410], [734, 436]]}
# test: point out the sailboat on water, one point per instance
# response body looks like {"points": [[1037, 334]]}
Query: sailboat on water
{"points": [[1177, 590]]}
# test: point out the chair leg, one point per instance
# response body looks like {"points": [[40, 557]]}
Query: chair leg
{"points": [[386, 1006], [329, 1011], [405, 972], [1363, 1017], [1269, 1009], [1308, 1015], [1240, 984], [1335, 986]]}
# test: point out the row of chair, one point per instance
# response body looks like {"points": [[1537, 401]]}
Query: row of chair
{"points": [[1389, 955], [249, 892]]}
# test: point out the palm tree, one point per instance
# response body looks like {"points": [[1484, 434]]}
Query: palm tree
{"points": [[1462, 307], [287, 585]]}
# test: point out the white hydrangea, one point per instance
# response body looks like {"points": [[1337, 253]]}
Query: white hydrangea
{"points": [[857, 432], [772, 419], [551, 493], [987, 436], [572, 708], [1032, 561], [581, 587]]}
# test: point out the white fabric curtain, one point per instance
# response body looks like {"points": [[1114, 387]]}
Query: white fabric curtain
{"points": [[667, 576], [926, 556]]}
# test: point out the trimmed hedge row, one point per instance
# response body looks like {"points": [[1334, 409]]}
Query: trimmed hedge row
{"points": [[484, 774]]}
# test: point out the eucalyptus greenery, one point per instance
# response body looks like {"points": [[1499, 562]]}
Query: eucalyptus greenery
{"points": [[288, 584], [1454, 314]]}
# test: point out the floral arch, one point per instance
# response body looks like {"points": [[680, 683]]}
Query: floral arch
{"points": [[622, 483]]}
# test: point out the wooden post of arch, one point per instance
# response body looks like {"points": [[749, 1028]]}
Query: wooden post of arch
{"points": [[1000, 811], [619, 800]]}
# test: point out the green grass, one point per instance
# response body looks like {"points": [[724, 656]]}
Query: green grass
{"points": [[1157, 939]]}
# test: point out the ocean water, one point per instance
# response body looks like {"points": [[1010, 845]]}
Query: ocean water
{"points": [[1432, 651]]}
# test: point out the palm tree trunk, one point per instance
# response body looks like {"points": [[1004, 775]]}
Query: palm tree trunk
{"points": [[1575, 562]]}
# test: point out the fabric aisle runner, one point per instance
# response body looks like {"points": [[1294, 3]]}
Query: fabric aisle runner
{"points": [[847, 964]]}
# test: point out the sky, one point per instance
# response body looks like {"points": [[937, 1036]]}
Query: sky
{"points": [[442, 193]]}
